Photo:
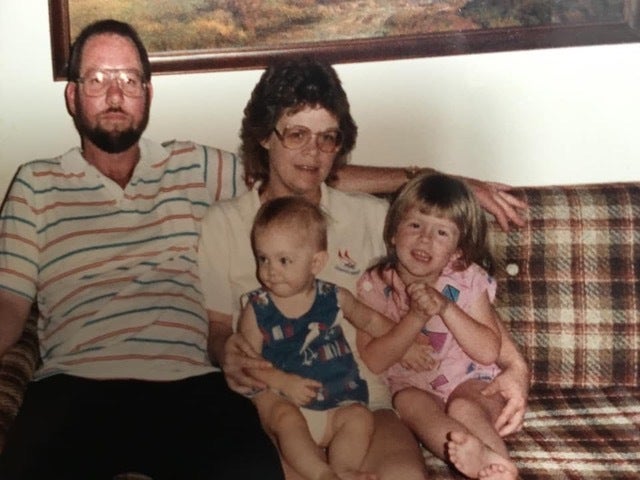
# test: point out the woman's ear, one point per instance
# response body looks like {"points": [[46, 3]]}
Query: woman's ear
{"points": [[318, 261], [266, 143]]}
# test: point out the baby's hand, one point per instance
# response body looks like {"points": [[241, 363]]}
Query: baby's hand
{"points": [[418, 358], [300, 390], [426, 300]]}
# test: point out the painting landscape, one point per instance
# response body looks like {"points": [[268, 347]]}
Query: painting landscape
{"points": [[188, 25]]}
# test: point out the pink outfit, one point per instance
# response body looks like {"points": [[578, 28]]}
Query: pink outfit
{"points": [[386, 293]]}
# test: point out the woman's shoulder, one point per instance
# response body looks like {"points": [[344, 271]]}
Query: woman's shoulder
{"points": [[354, 206], [357, 198], [238, 208]]}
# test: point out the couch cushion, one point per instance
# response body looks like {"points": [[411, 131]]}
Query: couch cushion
{"points": [[568, 283], [586, 433]]}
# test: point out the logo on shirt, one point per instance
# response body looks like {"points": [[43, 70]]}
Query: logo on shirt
{"points": [[347, 264]]}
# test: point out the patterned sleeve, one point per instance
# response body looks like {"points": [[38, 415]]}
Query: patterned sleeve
{"points": [[18, 238], [370, 293], [224, 173], [484, 282]]}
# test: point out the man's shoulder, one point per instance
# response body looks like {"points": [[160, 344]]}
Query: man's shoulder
{"points": [[53, 165], [188, 146]]}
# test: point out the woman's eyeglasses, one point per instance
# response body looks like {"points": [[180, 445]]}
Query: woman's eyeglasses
{"points": [[297, 137]]}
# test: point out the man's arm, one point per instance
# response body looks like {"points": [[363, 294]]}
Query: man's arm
{"points": [[14, 313], [374, 180], [494, 197]]}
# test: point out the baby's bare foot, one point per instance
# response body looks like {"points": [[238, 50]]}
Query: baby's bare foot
{"points": [[476, 460]]}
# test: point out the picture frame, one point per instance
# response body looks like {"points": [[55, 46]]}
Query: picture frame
{"points": [[453, 42]]}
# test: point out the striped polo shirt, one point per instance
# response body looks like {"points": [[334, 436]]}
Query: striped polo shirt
{"points": [[115, 271]]}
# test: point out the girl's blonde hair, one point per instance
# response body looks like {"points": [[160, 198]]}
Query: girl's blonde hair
{"points": [[447, 197]]}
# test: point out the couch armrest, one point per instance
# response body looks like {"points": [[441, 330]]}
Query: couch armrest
{"points": [[16, 370]]}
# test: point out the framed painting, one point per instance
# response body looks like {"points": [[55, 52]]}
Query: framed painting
{"points": [[206, 35]]}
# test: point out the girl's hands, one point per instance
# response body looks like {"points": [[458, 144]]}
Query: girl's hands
{"points": [[426, 300]]}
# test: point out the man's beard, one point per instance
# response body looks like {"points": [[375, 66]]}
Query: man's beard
{"points": [[110, 141]]}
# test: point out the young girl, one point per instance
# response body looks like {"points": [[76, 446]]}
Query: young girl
{"points": [[435, 234], [315, 396]]}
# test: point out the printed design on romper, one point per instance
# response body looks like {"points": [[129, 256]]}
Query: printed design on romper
{"points": [[323, 343], [437, 339], [347, 264]]}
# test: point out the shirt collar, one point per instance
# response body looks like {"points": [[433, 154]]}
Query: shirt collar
{"points": [[73, 162]]}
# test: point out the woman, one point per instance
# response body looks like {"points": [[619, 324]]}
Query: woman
{"points": [[296, 133]]}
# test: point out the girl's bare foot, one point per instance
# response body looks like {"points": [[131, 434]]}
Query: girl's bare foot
{"points": [[328, 475], [497, 471], [476, 460], [348, 475], [357, 475]]}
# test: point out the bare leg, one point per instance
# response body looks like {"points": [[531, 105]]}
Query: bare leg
{"points": [[478, 451], [348, 437], [424, 414], [394, 453], [284, 422]]}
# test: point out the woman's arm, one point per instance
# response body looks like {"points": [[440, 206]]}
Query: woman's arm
{"points": [[233, 354], [512, 384]]}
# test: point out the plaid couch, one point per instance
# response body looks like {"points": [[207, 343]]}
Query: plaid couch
{"points": [[569, 291]]}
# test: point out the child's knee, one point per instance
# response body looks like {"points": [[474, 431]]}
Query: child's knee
{"points": [[359, 417], [461, 407], [284, 415]]}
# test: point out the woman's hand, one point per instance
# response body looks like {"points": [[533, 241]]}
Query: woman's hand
{"points": [[239, 356], [513, 386]]}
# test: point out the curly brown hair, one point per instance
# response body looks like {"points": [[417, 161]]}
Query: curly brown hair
{"points": [[288, 87]]}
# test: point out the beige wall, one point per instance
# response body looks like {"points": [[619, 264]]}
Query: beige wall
{"points": [[530, 117]]}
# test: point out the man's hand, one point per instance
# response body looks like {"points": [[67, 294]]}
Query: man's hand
{"points": [[513, 386], [239, 356], [496, 199]]}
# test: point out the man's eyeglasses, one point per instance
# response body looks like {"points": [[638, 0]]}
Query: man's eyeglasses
{"points": [[96, 82], [297, 137]]}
